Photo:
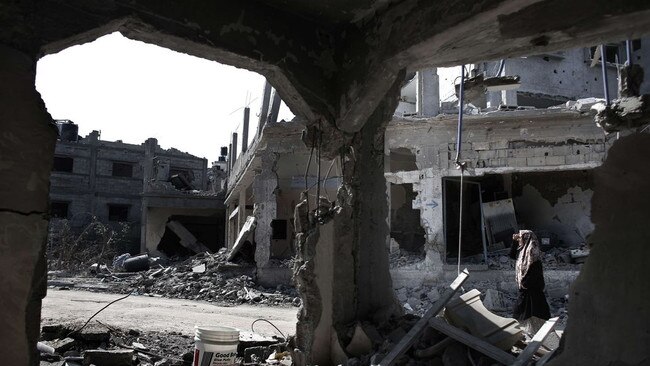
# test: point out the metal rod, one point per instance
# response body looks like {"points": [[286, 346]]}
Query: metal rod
{"points": [[461, 99], [603, 63], [628, 51]]}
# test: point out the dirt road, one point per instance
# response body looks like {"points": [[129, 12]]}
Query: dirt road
{"points": [[161, 314]]}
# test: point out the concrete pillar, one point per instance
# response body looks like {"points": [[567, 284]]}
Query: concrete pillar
{"points": [[509, 97], [244, 134], [233, 155], [26, 151], [265, 187], [264, 111], [493, 99], [92, 174], [241, 214], [341, 269], [275, 107], [428, 93], [229, 163], [609, 312]]}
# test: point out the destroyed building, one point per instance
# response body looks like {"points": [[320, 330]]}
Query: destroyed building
{"points": [[340, 66], [162, 193]]}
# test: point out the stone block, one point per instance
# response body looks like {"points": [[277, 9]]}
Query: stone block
{"points": [[502, 153], [555, 160], [487, 154], [541, 151], [574, 159], [433, 295], [561, 150], [480, 146], [599, 148], [102, 357], [536, 161], [498, 145], [594, 157], [517, 162]]}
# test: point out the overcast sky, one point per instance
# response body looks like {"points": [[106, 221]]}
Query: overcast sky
{"points": [[130, 91]]}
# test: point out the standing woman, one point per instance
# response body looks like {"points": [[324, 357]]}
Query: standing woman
{"points": [[531, 301]]}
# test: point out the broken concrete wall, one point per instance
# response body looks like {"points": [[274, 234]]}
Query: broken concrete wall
{"points": [[609, 314], [26, 148], [557, 203], [532, 141], [265, 187], [156, 223]]}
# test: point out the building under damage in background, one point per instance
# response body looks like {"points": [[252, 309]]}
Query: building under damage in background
{"points": [[529, 148], [169, 198]]}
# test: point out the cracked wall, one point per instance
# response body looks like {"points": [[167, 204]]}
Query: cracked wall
{"points": [[533, 141]]}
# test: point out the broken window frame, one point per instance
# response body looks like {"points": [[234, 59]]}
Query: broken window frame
{"points": [[119, 169], [63, 164], [608, 48], [118, 216]]}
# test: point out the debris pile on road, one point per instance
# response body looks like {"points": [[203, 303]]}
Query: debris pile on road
{"points": [[204, 276], [102, 344]]}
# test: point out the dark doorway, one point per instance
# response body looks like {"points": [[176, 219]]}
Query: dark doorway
{"points": [[473, 245]]}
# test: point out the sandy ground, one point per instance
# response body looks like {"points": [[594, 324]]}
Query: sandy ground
{"points": [[161, 314]]}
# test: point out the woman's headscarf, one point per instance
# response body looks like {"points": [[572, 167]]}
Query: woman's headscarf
{"points": [[529, 252]]}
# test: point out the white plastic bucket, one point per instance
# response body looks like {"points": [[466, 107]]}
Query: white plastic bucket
{"points": [[215, 345]]}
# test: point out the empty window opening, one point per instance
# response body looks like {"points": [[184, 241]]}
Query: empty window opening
{"points": [[611, 53], [402, 159], [405, 226], [122, 169], [59, 209], [63, 164], [118, 213]]}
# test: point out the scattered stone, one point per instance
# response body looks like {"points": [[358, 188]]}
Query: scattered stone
{"points": [[433, 295], [494, 300], [61, 345], [199, 269]]}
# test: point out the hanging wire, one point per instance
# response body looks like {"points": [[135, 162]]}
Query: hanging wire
{"points": [[459, 140], [603, 63], [320, 135]]}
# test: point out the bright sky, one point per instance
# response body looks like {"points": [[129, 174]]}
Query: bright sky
{"points": [[130, 91]]}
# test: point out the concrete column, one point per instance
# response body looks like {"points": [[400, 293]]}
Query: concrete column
{"points": [[264, 111], [265, 186], [275, 107], [428, 93], [241, 215], [244, 134], [92, 174], [341, 269], [26, 151], [233, 155], [229, 163], [509, 97]]}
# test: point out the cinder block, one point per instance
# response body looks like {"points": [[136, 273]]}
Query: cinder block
{"points": [[501, 144], [541, 151], [555, 160], [479, 146], [516, 162], [487, 154], [595, 157], [524, 153], [599, 148], [502, 153], [561, 150], [536, 161], [574, 159], [580, 149]]}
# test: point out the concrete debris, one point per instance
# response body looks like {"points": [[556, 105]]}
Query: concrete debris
{"points": [[206, 277], [494, 300], [583, 105], [102, 357], [624, 113]]}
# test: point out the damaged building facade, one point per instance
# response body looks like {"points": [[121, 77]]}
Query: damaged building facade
{"points": [[340, 66], [164, 194]]}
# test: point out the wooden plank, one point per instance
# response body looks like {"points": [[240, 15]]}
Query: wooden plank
{"points": [[534, 344], [244, 233], [542, 361], [407, 341], [472, 341]]}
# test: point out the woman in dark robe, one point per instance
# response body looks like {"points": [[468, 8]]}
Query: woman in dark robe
{"points": [[531, 301]]}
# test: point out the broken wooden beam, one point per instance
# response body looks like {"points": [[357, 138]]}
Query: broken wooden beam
{"points": [[409, 339], [471, 341], [534, 344]]}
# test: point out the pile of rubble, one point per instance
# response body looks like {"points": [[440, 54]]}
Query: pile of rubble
{"points": [[102, 344], [204, 276], [553, 258]]}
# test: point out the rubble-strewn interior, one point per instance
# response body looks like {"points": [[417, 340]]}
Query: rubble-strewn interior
{"points": [[426, 135]]}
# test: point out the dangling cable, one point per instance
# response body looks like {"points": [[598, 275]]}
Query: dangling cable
{"points": [[320, 138], [603, 63], [461, 166]]}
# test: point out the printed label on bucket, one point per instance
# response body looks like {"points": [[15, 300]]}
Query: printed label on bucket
{"points": [[207, 358]]}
